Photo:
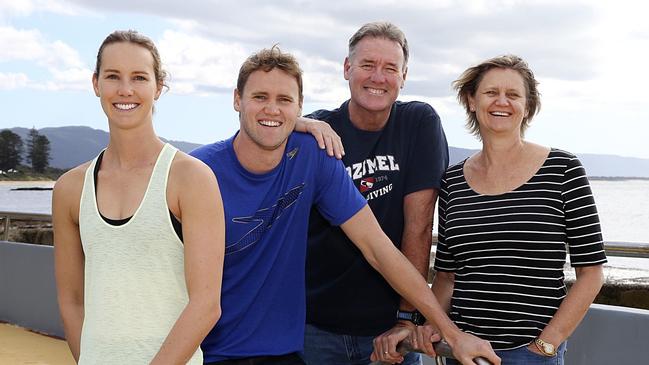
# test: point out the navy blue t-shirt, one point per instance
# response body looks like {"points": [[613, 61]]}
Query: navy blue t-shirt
{"points": [[344, 293], [266, 220]]}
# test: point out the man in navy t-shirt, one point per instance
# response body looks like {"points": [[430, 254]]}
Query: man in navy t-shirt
{"points": [[269, 178], [396, 154]]}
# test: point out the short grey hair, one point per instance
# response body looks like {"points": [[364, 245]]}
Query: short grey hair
{"points": [[385, 30]]}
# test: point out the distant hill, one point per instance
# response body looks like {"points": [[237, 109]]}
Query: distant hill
{"points": [[595, 165], [71, 146], [74, 145]]}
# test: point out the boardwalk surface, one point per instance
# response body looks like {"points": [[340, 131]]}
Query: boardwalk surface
{"points": [[19, 346]]}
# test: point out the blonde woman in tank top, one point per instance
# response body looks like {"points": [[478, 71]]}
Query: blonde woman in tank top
{"points": [[139, 231]]}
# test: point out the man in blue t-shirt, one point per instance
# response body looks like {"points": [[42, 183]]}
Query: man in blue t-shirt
{"points": [[396, 154], [269, 179]]}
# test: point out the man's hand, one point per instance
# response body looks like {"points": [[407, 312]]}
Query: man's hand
{"points": [[423, 337], [326, 137], [385, 345]]}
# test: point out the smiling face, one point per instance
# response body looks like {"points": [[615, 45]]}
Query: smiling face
{"points": [[126, 84], [376, 73], [499, 102], [268, 108]]}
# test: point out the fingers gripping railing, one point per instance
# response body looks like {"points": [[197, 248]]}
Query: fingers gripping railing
{"points": [[441, 348]]}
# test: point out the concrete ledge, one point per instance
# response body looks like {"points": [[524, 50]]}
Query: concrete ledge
{"points": [[610, 335], [607, 335], [28, 288]]}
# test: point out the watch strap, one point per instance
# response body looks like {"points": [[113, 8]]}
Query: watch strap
{"points": [[546, 348], [415, 317]]}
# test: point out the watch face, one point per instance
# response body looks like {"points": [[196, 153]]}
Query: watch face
{"points": [[545, 347], [548, 348]]}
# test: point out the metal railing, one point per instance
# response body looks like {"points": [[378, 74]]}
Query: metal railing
{"points": [[442, 349], [612, 248], [7, 217], [625, 250]]}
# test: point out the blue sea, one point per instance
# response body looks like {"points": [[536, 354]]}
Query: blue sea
{"points": [[623, 206], [25, 201]]}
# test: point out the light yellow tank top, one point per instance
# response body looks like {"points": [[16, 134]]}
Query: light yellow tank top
{"points": [[134, 286]]}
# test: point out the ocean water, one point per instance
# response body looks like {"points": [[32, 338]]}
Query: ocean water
{"points": [[623, 206], [25, 201]]}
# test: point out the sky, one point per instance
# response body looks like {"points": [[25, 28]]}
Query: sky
{"points": [[590, 58]]}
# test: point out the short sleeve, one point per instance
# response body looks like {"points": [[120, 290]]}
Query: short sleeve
{"points": [[337, 199], [444, 260], [583, 232], [429, 157]]}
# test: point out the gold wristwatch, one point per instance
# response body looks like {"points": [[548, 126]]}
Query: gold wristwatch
{"points": [[546, 348]]}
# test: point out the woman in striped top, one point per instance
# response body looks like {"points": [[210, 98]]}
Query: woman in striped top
{"points": [[507, 217]]}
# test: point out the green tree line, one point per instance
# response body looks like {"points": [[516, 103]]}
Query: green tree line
{"points": [[12, 149]]}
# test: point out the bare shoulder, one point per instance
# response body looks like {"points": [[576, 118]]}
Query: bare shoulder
{"points": [[537, 148], [188, 171], [66, 196], [70, 184], [473, 163], [191, 185], [536, 152]]}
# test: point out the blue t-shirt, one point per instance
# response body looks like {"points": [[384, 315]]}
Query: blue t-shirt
{"points": [[266, 220]]}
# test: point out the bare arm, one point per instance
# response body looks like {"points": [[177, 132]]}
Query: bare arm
{"points": [[422, 337], [443, 284], [201, 210], [68, 256], [323, 133], [418, 208], [364, 231], [574, 306]]}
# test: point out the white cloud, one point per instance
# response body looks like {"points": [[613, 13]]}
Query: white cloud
{"points": [[20, 45], [70, 79], [588, 55], [60, 60], [200, 65], [12, 8], [11, 81], [31, 45]]}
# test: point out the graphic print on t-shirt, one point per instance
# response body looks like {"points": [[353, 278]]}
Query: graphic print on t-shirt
{"points": [[263, 220], [371, 184], [366, 184], [368, 167]]}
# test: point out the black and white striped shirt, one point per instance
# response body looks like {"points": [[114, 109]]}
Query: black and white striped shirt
{"points": [[508, 251]]}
